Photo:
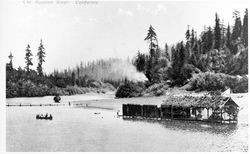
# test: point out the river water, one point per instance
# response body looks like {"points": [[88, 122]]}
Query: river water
{"points": [[82, 129]]}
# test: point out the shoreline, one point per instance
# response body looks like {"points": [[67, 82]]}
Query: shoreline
{"points": [[88, 93], [106, 101], [116, 104]]}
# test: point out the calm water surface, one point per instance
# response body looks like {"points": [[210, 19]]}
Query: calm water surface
{"points": [[79, 129]]}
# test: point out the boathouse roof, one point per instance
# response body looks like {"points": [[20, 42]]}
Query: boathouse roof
{"points": [[201, 101]]}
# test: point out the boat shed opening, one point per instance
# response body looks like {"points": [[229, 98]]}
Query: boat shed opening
{"points": [[204, 108]]}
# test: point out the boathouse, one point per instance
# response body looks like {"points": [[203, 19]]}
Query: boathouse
{"points": [[205, 108]]}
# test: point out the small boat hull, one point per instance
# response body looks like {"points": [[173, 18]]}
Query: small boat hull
{"points": [[44, 118]]}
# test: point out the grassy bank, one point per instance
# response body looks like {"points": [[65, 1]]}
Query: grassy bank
{"points": [[209, 82], [30, 89]]}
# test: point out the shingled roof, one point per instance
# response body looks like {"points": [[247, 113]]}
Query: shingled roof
{"points": [[201, 101]]}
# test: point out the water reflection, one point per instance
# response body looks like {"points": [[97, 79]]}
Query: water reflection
{"points": [[80, 129], [192, 126]]}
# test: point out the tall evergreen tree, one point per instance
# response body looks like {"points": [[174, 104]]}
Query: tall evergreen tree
{"points": [[236, 34], [178, 62], [192, 38], [41, 56], [149, 68], [73, 78], [188, 34], [153, 49], [194, 58], [166, 52], [217, 32], [152, 38], [209, 38], [245, 29], [78, 75], [140, 62], [223, 33], [228, 41], [28, 58], [10, 63]]}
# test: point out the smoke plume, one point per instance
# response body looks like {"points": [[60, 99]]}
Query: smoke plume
{"points": [[112, 69], [123, 69]]}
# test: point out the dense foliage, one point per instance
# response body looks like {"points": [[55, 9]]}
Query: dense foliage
{"points": [[218, 81], [156, 89], [209, 61], [218, 51], [129, 89], [208, 81], [30, 83]]}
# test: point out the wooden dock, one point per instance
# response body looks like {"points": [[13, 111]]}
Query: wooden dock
{"points": [[25, 105], [50, 104], [171, 112]]}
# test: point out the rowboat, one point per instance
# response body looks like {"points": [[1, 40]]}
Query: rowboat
{"points": [[44, 117]]}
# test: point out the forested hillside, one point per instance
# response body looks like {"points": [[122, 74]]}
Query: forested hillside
{"points": [[219, 49], [215, 59]]}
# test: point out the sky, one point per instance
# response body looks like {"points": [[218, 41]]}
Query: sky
{"points": [[102, 29]]}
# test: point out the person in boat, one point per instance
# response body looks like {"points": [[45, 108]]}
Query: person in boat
{"points": [[46, 116], [38, 116]]}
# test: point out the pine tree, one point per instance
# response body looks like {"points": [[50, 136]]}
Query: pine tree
{"points": [[236, 34], [152, 38], [78, 75], [166, 52], [194, 58], [223, 34], [149, 68], [178, 63], [228, 41], [217, 32], [192, 38], [41, 56], [209, 38], [188, 43], [73, 78], [181, 55], [188, 34], [10, 63], [245, 29], [153, 52], [28, 58], [140, 62]]}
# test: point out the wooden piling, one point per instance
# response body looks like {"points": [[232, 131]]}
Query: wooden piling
{"points": [[221, 115], [172, 115], [195, 113], [207, 113], [161, 113], [141, 111]]}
